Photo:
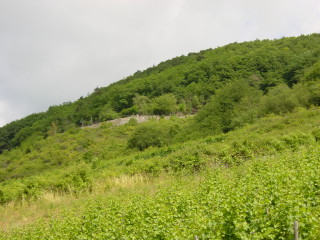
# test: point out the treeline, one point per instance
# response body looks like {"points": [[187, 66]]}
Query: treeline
{"points": [[241, 78], [233, 106]]}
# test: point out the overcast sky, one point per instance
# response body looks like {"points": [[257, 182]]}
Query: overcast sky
{"points": [[57, 51]]}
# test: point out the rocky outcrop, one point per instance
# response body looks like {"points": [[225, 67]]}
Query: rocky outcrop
{"points": [[139, 118]]}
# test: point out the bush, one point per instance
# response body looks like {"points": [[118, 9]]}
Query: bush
{"points": [[132, 122], [142, 104], [165, 104], [229, 108], [316, 134], [129, 111], [145, 136], [76, 180], [279, 100], [154, 133], [107, 113]]}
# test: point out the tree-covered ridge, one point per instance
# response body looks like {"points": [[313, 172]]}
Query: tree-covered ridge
{"points": [[182, 84]]}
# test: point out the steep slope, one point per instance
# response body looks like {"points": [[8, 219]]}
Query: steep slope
{"points": [[243, 165], [181, 84], [255, 181], [74, 161]]}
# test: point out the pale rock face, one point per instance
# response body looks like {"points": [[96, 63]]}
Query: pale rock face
{"points": [[122, 121]]}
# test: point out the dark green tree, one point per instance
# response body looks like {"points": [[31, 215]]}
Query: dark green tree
{"points": [[164, 105]]}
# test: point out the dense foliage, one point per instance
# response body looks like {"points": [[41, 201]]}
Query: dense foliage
{"points": [[71, 162], [254, 183], [259, 200], [182, 84]]}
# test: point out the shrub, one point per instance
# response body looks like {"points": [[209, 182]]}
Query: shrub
{"points": [[229, 108], [132, 122], [145, 136], [279, 100], [154, 133], [316, 134], [165, 104]]}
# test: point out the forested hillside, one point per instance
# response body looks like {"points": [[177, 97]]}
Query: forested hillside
{"points": [[242, 162], [182, 84]]}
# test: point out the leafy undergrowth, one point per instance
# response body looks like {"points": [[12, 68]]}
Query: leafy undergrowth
{"points": [[92, 155], [82, 169], [259, 199], [252, 183]]}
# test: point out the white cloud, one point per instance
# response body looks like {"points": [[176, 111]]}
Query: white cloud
{"points": [[3, 120], [8, 113]]}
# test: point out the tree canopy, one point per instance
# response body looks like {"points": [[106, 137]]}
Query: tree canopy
{"points": [[187, 83]]}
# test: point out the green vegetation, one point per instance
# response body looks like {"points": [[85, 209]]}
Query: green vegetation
{"points": [[182, 84], [254, 181], [243, 162]]}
